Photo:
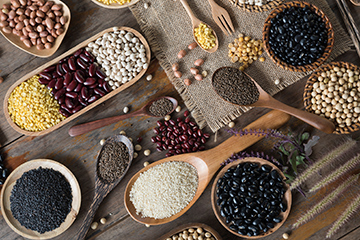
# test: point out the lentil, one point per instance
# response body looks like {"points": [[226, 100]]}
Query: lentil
{"points": [[235, 87], [161, 107], [113, 161], [204, 36], [41, 195], [32, 107], [164, 190]]}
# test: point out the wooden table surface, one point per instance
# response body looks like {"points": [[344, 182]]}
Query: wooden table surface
{"points": [[79, 153]]}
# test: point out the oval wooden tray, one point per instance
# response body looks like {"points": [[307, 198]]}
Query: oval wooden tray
{"points": [[9, 184], [90, 106], [216, 208], [115, 5], [181, 228], [15, 40]]}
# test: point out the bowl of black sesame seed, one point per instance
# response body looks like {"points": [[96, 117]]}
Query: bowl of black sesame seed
{"points": [[40, 199]]}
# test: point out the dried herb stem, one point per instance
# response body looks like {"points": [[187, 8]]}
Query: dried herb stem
{"points": [[337, 173], [321, 163], [355, 204], [325, 202]]}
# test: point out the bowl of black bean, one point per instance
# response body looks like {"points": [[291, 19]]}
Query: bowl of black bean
{"points": [[250, 198], [40, 199], [298, 36]]}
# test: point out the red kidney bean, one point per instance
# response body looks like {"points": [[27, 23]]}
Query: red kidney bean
{"points": [[53, 91], [71, 63], [89, 55], [99, 92], [186, 113], [189, 132], [158, 138], [172, 122], [206, 135], [153, 139], [71, 94], [84, 93], [77, 108], [72, 85], [84, 57], [169, 129], [78, 88], [69, 103], [79, 76], [61, 100], [90, 81], [93, 86], [49, 69], [64, 112], [199, 132], [100, 82], [59, 70], [106, 87], [203, 140], [51, 84], [201, 148], [82, 101], [93, 98], [187, 120], [55, 75], [67, 79], [162, 128], [168, 154], [179, 120], [46, 75], [81, 63], [164, 147], [59, 94], [78, 52], [178, 151], [159, 144], [159, 149], [159, 123], [65, 67], [92, 70], [100, 74], [59, 83], [166, 123], [63, 106], [43, 81]]}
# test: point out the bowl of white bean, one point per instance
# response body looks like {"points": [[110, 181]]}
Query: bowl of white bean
{"points": [[333, 91]]}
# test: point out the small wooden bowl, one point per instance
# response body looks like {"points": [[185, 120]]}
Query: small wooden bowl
{"points": [[90, 106], [114, 5], [216, 208], [253, 8], [9, 184], [15, 40], [309, 87], [181, 228], [284, 65]]}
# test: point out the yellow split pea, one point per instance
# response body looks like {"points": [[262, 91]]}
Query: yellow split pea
{"points": [[204, 36], [32, 107], [108, 2]]}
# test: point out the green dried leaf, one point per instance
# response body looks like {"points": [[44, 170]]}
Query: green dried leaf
{"points": [[305, 136]]}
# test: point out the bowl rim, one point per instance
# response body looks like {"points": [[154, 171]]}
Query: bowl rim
{"points": [[216, 209], [254, 8], [114, 5], [308, 67], [309, 86], [16, 174]]}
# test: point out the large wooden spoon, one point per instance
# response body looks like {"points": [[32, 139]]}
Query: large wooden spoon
{"points": [[102, 188], [90, 126], [207, 162], [195, 23], [265, 100]]}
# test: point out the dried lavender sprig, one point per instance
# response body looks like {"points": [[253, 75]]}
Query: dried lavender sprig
{"points": [[325, 202], [337, 173], [321, 163], [355, 204]]}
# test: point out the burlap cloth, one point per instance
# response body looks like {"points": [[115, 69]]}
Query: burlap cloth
{"points": [[168, 29]]}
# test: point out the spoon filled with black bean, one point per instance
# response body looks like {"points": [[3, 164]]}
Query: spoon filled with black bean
{"points": [[238, 88], [158, 107]]}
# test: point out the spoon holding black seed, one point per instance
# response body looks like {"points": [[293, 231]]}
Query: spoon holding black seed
{"points": [[239, 88]]}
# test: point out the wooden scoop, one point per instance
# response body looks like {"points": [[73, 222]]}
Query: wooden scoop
{"points": [[90, 126], [265, 100], [102, 188], [195, 23], [207, 163]]}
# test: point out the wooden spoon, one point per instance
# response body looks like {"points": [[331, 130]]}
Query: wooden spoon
{"points": [[102, 188], [90, 126], [195, 23], [265, 100], [207, 163]]}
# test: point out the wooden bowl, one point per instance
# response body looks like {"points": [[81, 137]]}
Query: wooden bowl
{"points": [[90, 106], [284, 65], [309, 87], [181, 228], [9, 184], [253, 8], [15, 40], [216, 208], [115, 5]]}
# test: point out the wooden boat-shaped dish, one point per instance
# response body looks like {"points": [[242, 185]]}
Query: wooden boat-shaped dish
{"points": [[216, 208], [9, 184], [15, 40], [115, 5], [90, 106], [195, 226]]}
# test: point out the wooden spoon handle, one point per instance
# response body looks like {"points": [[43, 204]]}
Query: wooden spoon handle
{"points": [[90, 126], [188, 10], [314, 120]]}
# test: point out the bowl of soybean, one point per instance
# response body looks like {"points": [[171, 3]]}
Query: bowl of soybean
{"points": [[59, 180]]}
